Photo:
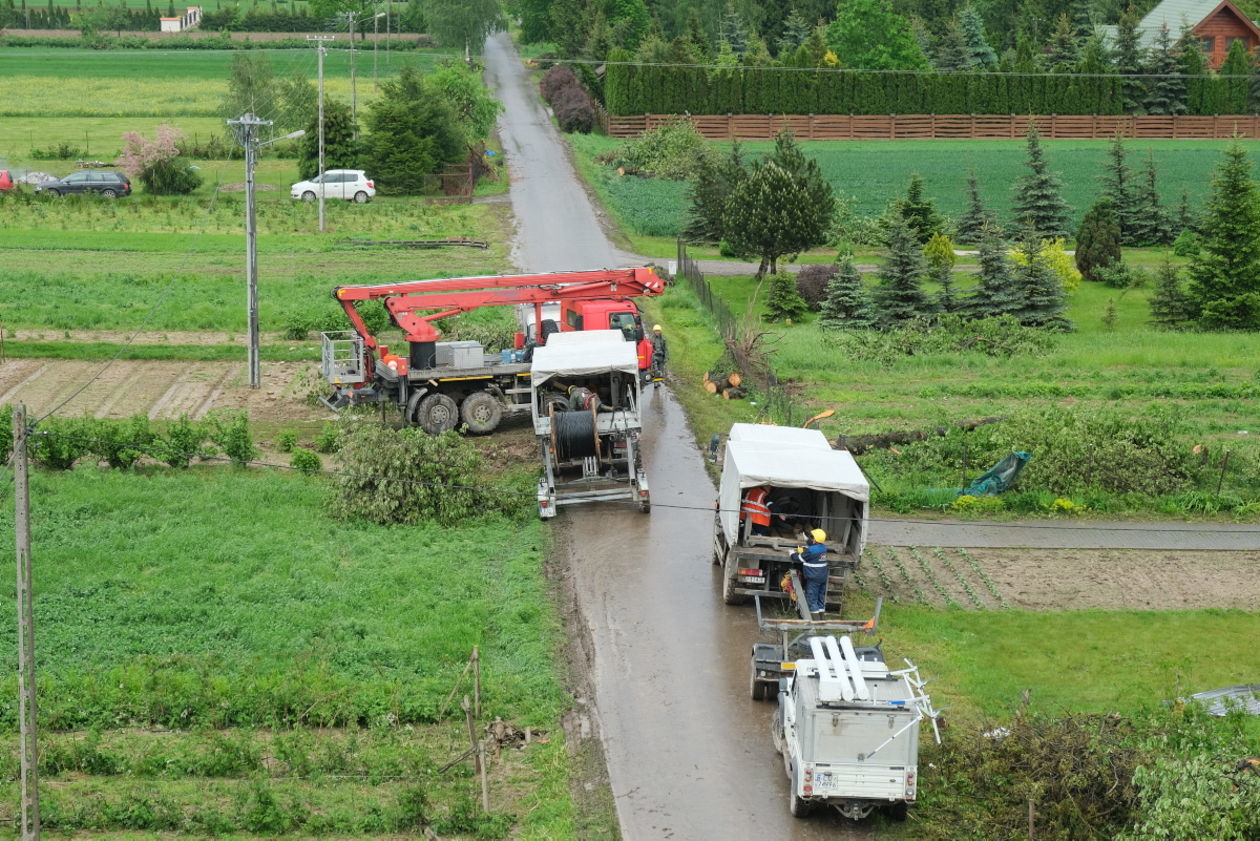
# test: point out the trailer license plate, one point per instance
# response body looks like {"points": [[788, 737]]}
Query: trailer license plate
{"points": [[754, 579]]}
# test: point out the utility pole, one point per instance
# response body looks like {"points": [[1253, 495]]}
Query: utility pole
{"points": [[319, 47], [246, 134], [354, 91], [29, 733], [376, 37]]}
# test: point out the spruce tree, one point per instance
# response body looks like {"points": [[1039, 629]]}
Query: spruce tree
{"points": [[1062, 50], [1039, 203], [996, 293], [731, 29], [1224, 290], [1151, 225], [950, 53], [1082, 22], [1169, 305], [714, 183], [1128, 61], [900, 295], [1167, 95], [1043, 298], [795, 30], [946, 298], [975, 216], [848, 304], [1120, 190], [978, 48], [1098, 240], [919, 211], [784, 301], [1186, 219]]}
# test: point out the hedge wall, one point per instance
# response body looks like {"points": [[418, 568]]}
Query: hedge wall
{"points": [[631, 89]]}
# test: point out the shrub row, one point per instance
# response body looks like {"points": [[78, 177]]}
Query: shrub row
{"points": [[643, 89], [569, 101], [59, 443], [221, 42]]}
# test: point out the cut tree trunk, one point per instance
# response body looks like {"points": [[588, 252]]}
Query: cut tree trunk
{"points": [[858, 444]]}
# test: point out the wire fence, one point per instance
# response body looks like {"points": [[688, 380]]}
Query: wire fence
{"points": [[741, 340]]}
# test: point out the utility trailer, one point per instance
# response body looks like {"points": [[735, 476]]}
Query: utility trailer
{"points": [[585, 401], [847, 726], [812, 485]]}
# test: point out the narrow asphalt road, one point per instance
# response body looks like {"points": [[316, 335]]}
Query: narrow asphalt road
{"points": [[689, 753]]}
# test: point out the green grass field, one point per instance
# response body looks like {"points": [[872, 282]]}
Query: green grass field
{"points": [[208, 655], [872, 173]]}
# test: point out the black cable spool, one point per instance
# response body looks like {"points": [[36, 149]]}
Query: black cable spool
{"points": [[574, 434]]}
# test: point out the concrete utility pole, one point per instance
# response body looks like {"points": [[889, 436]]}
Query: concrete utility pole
{"points": [[320, 49], [246, 133], [29, 732]]}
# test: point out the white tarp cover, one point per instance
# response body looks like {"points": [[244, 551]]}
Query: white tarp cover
{"points": [[583, 352], [783, 457]]}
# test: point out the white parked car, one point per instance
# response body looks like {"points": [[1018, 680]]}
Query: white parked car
{"points": [[349, 184]]}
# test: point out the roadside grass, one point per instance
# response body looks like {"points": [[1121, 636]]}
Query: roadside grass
{"points": [[873, 173]]}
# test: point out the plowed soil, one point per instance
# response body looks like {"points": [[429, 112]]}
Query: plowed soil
{"points": [[160, 390]]}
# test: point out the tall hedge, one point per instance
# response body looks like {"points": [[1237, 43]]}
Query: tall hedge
{"points": [[632, 89]]}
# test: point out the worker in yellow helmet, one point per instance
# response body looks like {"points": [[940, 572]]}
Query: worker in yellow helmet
{"points": [[813, 560], [660, 352]]}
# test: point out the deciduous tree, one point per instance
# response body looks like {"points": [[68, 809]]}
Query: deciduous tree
{"points": [[463, 23], [868, 34]]}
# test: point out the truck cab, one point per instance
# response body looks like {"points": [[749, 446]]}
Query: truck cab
{"points": [[848, 730], [811, 485]]}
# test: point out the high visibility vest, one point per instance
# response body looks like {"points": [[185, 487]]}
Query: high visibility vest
{"points": [[755, 506]]}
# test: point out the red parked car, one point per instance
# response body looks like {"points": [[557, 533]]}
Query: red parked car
{"points": [[6, 182]]}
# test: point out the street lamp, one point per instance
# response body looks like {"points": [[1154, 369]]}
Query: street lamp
{"points": [[244, 129]]}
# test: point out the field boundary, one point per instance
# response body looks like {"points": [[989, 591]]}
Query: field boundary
{"points": [[945, 126]]}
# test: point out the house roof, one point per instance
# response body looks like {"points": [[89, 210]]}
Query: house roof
{"points": [[1181, 15]]}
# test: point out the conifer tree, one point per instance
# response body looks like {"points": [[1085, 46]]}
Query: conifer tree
{"points": [[996, 293], [1170, 308], [784, 301], [1235, 70], [1186, 220], [1151, 225], [1098, 240], [919, 211], [946, 298], [731, 29], [1120, 190], [848, 304], [1224, 290], [1128, 61], [1082, 22], [975, 216], [1167, 94], [978, 48], [1039, 203], [950, 53], [1063, 50], [715, 181], [795, 31], [1043, 297], [900, 295]]}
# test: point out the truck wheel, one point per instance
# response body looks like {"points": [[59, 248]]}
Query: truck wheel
{"points": [[728, 584], [436, 414], [756, 688], [482, 412], [899, 811], [799, 807]]}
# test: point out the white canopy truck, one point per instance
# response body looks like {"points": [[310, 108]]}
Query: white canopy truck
{"points": [[811, 485], [585, 402], [848, 729]]}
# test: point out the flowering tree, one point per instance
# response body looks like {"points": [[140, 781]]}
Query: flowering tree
{"points": [[157, 163]]}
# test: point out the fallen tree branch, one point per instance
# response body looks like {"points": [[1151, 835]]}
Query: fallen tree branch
{"points": [[858, 444]]}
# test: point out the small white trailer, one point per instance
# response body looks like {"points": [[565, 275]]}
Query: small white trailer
{"points": [[585, 401], [811, 484]]}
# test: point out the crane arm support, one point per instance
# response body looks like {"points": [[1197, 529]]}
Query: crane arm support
{"points": [[642, 280]]}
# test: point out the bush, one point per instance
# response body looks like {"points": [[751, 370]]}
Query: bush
{"points": [[673, 150], [122, 443], [157, 163], [784, 302], [286, 440], [329, 439], [1121, 276], [574, 111], [811, 283], [408, 476], [182, 441], [1187, 243], [556, 79], [59, 442], [948, 334], [230, 431], [306, 461]]}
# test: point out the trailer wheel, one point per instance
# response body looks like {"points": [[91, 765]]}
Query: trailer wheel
{"points": [[482, 412], [756, 688], [437, 414]]}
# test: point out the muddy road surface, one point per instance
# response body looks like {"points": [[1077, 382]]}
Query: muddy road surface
{"points": [[689, 752]]}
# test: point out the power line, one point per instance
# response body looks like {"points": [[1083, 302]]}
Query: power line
{"points": [[1057, 525]]}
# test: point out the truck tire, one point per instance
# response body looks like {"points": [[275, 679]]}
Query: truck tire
{"points": [[797, 806], [728, 584], [482, 412], [756, 688], [899, 811], [437, 414]]}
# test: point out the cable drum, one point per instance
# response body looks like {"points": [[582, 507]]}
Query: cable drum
{"points": [[573, 434]]}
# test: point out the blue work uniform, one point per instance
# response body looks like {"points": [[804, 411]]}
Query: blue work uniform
{"points": [[813, 561]]}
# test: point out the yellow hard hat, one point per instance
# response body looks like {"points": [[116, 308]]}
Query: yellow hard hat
{"points": [[656, 328], [819, 535]]}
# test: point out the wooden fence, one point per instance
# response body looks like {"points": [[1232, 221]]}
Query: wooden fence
{"points": [[946, 126]]}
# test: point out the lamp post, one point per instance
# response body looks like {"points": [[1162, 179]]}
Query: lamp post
{"points": [[247, 136], [354, 90]]}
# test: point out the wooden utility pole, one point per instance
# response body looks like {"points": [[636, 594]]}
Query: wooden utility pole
{"points": [[29, 741]]}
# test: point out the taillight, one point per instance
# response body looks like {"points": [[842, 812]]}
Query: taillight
{"points": [[370, 184]]}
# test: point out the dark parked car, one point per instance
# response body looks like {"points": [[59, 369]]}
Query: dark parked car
{"points": [[6, 181], [109, 184]]}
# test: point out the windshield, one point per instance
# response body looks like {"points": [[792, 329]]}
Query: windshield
{"points": [[623, 321]]}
